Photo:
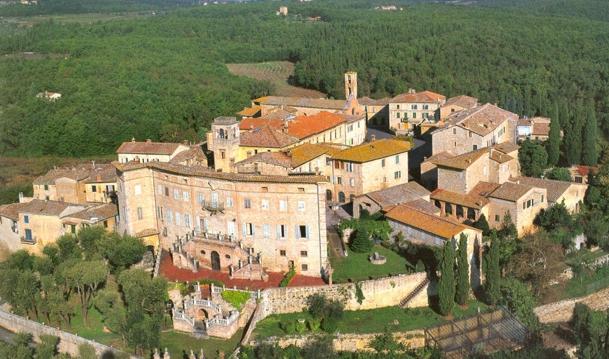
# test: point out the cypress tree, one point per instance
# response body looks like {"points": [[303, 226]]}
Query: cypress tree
{"points": [[462, 271], [589, 153], [573, 148], [553, 145], [446, 284], [493, 271], [361, 243]]}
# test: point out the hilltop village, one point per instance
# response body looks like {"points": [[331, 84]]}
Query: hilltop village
{"points": [[262, 198]]}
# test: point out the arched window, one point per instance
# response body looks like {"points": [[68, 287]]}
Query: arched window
{"points": [[341, 197], [328, 195]]}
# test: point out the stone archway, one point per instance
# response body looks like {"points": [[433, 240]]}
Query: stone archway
{"points": [[201, 314], [215, 261]]}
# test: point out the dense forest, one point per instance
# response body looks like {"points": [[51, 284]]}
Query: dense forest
{"points": [[163, 77]]}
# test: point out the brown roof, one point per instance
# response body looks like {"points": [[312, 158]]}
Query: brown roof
{"points": [[255, 122], [399, 194], [555, 188], [461, 162], [272, 158], [540, 129], [307, 152], [463, 101], [74, 173], [194, 155], [249, 111], [201, 171], [443, 227], [367, 101], [481, 120], [506, 147], [37, 207], [373, 150], [484, 189], [423, 206], [320, 103], [104, 173], [467, 200], [509, 191], [419, 97], [12, 210], [148, 148], [266, 136], [96, 213]]}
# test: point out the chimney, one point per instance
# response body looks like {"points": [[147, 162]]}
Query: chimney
{"points": [[411, 90]]}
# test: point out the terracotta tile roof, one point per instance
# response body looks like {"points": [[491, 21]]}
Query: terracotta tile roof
{"points": [[39, 207], [96, 213], [484, 189], [524, 122], [373, 150], [499, 157], [201, 171], [399, 194], [418, 97], [462, 101], [555, 188], [443, 227], [272, 158], [148, 148], [481, 120], [320, 103], [256, 122], [194, 155], [266, 137], [461, 162], [466, 200], [249, 111], [540, 129], [583, 170], [307, 152], [367, 101], [423, 206], [506, 147], [12, 210], [509, 191], [104, 173], [306, 126], [74, 173]]}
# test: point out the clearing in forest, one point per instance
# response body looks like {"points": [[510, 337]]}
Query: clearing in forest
{"points": [[277, 73]]}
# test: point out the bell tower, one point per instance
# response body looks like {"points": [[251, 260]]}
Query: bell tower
{"points": [[350, 84], [223, 140]]}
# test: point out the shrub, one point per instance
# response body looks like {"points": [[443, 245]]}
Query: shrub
{"points": [[300, 326], [86, 351], [361, 243], [288, 327], [287, 278], [313, 324], [329, 325], [317, 305], [358, 293]]}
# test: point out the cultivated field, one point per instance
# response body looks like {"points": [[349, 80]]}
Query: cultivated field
{"points": [[277, 73]]}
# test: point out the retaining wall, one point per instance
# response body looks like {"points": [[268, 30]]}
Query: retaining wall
{"points": [[563, 311]]}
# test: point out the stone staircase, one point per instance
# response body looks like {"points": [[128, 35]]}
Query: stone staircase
{"points": [[407, 299]]}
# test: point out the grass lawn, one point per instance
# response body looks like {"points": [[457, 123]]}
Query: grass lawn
{"points": [[371, 321], [583, 285], [95, 329], [177, 343], [357, 267], [236, 298]]}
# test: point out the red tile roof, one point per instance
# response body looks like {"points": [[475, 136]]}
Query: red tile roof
{"points": [[148, 147], [306, 126], [418, 97], [443, 227], [255, 122], [266, 137]]}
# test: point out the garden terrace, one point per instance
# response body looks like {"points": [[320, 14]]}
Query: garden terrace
{"points": [[357, 266]]}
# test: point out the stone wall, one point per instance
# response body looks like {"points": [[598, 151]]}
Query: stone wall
{"points": [[348, 342], [378, 293], [68, 343], [563, 311]]}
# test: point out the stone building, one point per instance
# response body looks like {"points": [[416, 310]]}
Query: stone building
{"points": [[368, 167], [535, 128], [278, 221], [469, 130], [413, 109], [32, 225], [149, 151], [569, 193], [384, 199], [457, 104], [377, 111], [81, 184]]}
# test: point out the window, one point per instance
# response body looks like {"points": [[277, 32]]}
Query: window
{"points": [[249, 229], [352, 182], [166, 191], [140, 213], [283, 205], [73, 229], [497, 219], [282, 252], [105, 224], [46, 187], [26, 219], [186, 195], [281, 231], [475, 147], [437, 203], [397, 175], [222, 154], [383, 162], [137, 189], [524, 205], [266, 230], [471, 214], [200, 198], [303, 253], [398, 115], [301, 231], [178, 219], [186, 220], [28, 235], [176, 193], [448, 208], [93, 188], [265, 189], [301, 206], [339, 180], [169, 215], [264, 204], [542, 198], [425, 107], [229, 202], [304, 267], [454, 131], [413, 107], [459, 211], [247, 203], [398, 107], [349, 167], [159, 213], [397, 159]]}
